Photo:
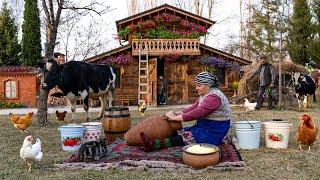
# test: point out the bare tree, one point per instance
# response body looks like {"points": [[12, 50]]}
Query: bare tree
{"points": [[210, 4], [52, 15], [89, 41], [132, 7], [148, 4], [80, 37], [182, 4], [198, 6]]}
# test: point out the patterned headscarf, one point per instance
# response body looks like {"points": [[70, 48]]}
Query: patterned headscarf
{"points": [[207, 79]]}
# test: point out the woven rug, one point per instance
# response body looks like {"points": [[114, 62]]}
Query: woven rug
{"points": [[133, 157]]}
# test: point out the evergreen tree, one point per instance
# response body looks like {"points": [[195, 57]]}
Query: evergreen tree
{"points": [[31, 37], [9, 46], [314, 49], [300, 32]]}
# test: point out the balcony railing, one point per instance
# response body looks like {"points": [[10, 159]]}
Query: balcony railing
{"points": [[160, 47]]}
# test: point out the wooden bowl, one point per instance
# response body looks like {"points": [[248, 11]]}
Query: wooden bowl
{"points": [[199, 160]]}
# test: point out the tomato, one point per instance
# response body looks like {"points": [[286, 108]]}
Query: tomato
{"points": [[67, 142], [73, 142]]}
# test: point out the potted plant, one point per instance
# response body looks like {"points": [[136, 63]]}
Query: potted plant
{"points": [[234, 87]]}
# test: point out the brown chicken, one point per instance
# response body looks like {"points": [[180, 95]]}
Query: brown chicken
{"points": [[307, 132], [21, 122], [61, 115]]}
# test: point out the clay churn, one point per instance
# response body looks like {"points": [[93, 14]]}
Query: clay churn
{"points": [[156, 127], [117, 121]]}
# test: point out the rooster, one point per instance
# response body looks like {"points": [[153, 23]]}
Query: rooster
{"points": [[61, 115], [142, 107], [249, 106], [21, 122], [31, 152], [307, 132]]}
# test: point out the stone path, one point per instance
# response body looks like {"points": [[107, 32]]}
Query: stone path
{"points": [[80, 109]]}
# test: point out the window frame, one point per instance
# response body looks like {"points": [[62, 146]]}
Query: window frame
{"points": [[16, 89]]}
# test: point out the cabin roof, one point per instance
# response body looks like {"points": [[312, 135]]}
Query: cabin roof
{"points": [[240, 60], [228, 56], [8, 70], [108, 53], [165, 8]]}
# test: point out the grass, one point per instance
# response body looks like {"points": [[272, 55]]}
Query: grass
{"points": [[265, 163]]}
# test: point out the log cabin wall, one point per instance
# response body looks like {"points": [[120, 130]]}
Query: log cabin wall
{"points": [[180, 77], [194, 68], [177, 78], [127, 91]]}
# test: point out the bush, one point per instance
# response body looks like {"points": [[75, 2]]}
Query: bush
{"points": [[4, 105], [235, 85]]}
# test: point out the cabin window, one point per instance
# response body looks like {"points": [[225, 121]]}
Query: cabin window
{"points": [[10, 87], [118, 77]]}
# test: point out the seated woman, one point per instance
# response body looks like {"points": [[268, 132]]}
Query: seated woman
{"points": [[211, 110]]}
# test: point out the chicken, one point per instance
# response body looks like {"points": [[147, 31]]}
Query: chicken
{"points": [[61, 115], [21, 122], [142, 107], [29, 152], [307, 132], [249, 106]]}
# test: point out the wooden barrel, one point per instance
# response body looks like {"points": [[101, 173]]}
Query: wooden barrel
{"points": [[116, 121]]}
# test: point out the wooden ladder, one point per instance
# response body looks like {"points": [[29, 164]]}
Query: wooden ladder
{"points": [[143, 90]]}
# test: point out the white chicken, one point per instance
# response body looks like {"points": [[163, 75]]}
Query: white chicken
{"points": [[31, 152], [249, 106]]}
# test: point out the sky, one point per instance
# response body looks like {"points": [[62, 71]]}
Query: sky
{"points": [[226, 14]]}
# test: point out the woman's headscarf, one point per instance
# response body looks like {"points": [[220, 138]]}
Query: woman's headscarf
{"points": [[207, 78]]}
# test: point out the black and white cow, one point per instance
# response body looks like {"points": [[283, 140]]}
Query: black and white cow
{"points": [[304, 85], [81, 80]]}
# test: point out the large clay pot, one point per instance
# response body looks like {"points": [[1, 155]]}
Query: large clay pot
{"points": [[116, 121], [155, 127]]}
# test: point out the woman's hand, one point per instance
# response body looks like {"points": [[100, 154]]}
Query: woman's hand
{"points": [[173, 116], [178, 113], [170, 115]]}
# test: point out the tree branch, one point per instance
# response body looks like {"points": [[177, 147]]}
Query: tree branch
{"points": [[45, 8], [83, 8], [51, 13]]}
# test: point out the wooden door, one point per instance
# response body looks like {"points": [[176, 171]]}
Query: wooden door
{"points": [[177, 77], [152, 81]]}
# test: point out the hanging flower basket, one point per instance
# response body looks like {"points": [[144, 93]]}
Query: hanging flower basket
{"points": [[214, 62], [121, 59]]}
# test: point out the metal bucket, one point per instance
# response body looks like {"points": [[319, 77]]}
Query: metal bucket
{"points": [[71, 136], [248, 134]]}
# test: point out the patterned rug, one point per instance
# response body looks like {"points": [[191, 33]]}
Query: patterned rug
{"points": [[133, 157]]}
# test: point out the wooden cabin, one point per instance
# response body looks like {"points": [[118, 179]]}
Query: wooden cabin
{"points": [[165, 41]]}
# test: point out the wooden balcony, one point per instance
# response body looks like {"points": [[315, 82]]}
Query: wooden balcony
{"points": [[158, 47]]}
